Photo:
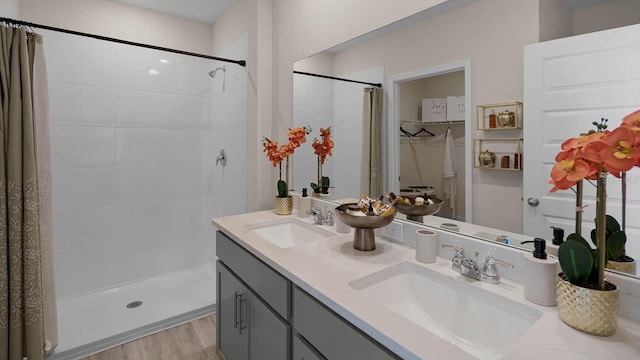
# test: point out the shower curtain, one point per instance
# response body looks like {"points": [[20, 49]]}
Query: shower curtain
{"points": [[371, 162], [28, 320]]}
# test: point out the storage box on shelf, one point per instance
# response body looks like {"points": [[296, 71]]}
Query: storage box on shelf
{"points": [[504, 116], [498, 154]]}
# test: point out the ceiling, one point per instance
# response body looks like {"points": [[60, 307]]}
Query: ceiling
{"points": [[206, 11]]}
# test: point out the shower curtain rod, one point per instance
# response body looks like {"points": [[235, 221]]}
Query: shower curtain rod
{"points": [[337, 78], [119, 41]]}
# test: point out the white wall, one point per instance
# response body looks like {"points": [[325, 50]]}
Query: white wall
{"points": [[117, 20], [10, 8]]}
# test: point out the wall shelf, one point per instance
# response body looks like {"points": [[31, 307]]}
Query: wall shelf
{"points": [[483, 113], [503, 149]]}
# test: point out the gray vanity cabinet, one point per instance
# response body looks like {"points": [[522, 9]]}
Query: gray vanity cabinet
{"points": [[248, 327]]}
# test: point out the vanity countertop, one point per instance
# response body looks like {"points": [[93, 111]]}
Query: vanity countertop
{"points": [[324, 269]]}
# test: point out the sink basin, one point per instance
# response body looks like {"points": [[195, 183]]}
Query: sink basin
{"points": [[477, 321], [289, 232]]}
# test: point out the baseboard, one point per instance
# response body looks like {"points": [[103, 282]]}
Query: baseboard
{"points": [[128, 336]]}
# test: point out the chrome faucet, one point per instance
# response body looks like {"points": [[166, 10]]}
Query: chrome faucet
{"points": [[319, 218], [469, 268]]}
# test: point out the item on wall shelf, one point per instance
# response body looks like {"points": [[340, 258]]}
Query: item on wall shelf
{"points": [[434, 109], [507, 119], [540, 275], [517, 157], [455, 108], [487, 159], [492, 119], [504, 162]]}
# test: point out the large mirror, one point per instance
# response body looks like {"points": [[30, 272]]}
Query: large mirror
{"points": [[413, 64]]}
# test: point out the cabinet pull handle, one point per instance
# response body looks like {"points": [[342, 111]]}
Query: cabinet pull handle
{"points": [[236, 310], [244, 314]]}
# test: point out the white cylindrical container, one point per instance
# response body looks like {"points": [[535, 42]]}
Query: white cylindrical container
{"points": [[426, 246], [540, 280], [540, 275], [304, 205]]}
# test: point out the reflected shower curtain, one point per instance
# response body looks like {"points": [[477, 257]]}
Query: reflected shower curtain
{"points": [[371, 162], [28, 320]]}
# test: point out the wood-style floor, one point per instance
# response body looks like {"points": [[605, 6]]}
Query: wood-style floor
{"points": [[195, 340]]}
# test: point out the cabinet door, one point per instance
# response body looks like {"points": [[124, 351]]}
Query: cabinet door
{"points": [[268, 333], [303, 351], [229, 332]]}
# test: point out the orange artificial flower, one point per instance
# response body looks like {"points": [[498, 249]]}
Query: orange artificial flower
{"points": [[323, 148], [583, 157]]}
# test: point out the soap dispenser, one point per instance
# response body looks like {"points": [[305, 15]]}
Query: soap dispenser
{"points": [[304, 204], [540, 275]]}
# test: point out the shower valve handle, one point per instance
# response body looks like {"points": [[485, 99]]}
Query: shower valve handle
{"points": [[222, 158]]}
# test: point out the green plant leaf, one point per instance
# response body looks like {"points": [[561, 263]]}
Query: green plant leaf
{"points": [[612, 225], [578, 238], [616, 245], [282, 188], [576, 260], [325, 184]]}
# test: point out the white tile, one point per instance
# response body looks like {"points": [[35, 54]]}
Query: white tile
{"points": [[94, 228], [161, 110], [191, 181], [161, 148], [64, 103], [133, 68], [132, 185], [163, 184], [192, 76], [64, 232], [64, 144], [97, 187], [62, 52], [192, 147], [97, 62], [162, 73], [235, 144], [98, 106], [131, 108], [67, 273], [131, 147], [190, 112], [97, 146], [65, 189]]}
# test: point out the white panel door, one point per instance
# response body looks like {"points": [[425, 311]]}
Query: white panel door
{"points": [[568, 84]]}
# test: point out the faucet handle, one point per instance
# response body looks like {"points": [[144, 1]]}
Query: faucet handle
{"points": [[459, 251], [489, 269]]}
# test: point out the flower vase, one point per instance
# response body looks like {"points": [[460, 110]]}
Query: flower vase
{"points": [[588, 310], [284, 206], [627, 267]]}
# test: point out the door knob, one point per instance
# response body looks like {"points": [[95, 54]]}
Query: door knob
{"points": [[533, 201]]}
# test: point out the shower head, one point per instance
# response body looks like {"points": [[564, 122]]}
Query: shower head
{"points": [[212, 73]]}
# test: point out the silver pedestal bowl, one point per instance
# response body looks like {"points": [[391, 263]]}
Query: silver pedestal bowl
{"points": [[363, 238], [417, 212]]}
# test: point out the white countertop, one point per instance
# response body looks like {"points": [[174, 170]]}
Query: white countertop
{"points": [[324, 269]]}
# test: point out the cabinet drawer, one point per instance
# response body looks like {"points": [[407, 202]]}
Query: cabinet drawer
{"points": [[303, 351], [331, 335], [262, 279]]}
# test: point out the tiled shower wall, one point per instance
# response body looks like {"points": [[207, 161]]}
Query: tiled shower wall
{"points": [[133, 169], [320, 103]]}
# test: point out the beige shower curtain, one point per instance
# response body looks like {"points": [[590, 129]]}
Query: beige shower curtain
{"points": [[371, 164], [28, 320]]}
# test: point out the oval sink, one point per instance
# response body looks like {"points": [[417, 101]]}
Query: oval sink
{"points": [[289, 232], [479, 322]]}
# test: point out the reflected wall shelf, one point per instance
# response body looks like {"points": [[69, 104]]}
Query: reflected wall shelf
{"points": [[484, 121], [504, 150]]}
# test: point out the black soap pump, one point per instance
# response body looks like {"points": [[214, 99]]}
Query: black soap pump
{"points": [[558, 235], [540, 274]]}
